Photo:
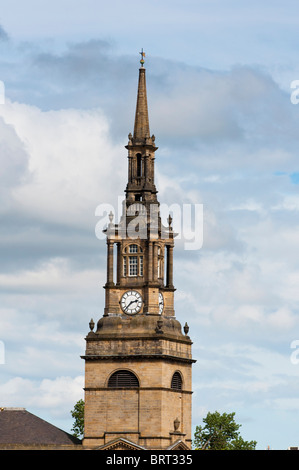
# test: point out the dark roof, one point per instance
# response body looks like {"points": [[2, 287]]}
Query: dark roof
{"points": [[18, 426]]}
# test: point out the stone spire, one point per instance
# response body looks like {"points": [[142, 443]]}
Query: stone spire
{"points": [[141, 127], [141, 147]]}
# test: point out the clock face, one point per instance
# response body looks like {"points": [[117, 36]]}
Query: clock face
{"points": [[131, 302], [161, 303]]}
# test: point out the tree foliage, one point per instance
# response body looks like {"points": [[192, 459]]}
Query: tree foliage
{"points": [[220, 432], [78, 415]]}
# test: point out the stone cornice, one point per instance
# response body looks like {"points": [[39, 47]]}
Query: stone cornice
{"points": [[133, 337], [150, 357], [167, 389]]}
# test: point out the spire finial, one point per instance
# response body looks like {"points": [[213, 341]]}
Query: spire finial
{"points": [[142, 56]]}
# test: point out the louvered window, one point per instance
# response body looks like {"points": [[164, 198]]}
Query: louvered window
{"points": [[123, 378], [176, 381]]}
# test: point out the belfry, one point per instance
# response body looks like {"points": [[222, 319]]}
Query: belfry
{"points": [[138, 362]]}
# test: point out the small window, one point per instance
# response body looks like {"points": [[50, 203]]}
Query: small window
{"points": [[123, 379], [133, 248], [176, 381]]}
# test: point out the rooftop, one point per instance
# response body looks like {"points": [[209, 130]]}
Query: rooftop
{"points": [[19, 426]]}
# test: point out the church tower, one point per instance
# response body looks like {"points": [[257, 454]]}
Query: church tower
{"points": [[138, 361]]}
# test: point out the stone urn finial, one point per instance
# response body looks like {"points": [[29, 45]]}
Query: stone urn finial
{"points": [[176, 424], [111, 216], [91, 324], [159, 327]]}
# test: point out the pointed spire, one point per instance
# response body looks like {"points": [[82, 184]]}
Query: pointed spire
{"points": [[141, 128]]}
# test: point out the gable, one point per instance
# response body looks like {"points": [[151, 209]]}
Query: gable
{"points": [[120, 444], [179, 445]]}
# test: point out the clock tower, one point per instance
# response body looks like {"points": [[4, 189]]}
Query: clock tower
{"points": [[137, 360]]}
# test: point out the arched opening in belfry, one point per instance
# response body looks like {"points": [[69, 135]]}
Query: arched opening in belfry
{"points": [[139, 165]]}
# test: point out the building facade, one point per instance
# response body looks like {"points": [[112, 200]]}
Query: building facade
{"points": [[138, 384]]}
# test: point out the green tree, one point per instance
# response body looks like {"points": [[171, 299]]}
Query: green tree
{"points": [[78, 415], [220, 432], [240, 444]]}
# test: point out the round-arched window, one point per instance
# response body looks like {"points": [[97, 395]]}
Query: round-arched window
{"points": [[176, 381], [123, 379]]}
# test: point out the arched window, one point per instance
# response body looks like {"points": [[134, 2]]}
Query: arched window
{"points": [[176, 381], [133, 261], [139, 165], [123, 378], [160, 263]]}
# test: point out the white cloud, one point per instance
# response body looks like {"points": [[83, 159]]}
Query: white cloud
{"points": [[54, 275], [14, 159], [283, 318], [290, 202], [72, 163], [249, 205], [56, 396], [242, 105]]}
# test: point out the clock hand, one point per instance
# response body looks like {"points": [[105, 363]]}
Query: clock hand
{"points": [[132, 302]]}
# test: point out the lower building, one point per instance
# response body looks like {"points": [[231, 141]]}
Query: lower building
{"points": [[21, 430], [138, 384]]}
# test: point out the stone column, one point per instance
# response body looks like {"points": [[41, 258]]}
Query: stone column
{"points": [[119, 263], [150, 261], [130, 171], [110, 246], [169, 273], [155, 263]]}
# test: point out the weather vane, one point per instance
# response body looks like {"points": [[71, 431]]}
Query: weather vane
{"points": [[142, 56]]}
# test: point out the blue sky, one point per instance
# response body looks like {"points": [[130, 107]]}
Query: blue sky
{"points": [[219, 79]]}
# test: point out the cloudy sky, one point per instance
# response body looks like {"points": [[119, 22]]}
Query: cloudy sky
{"points": [[219, 76]]}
